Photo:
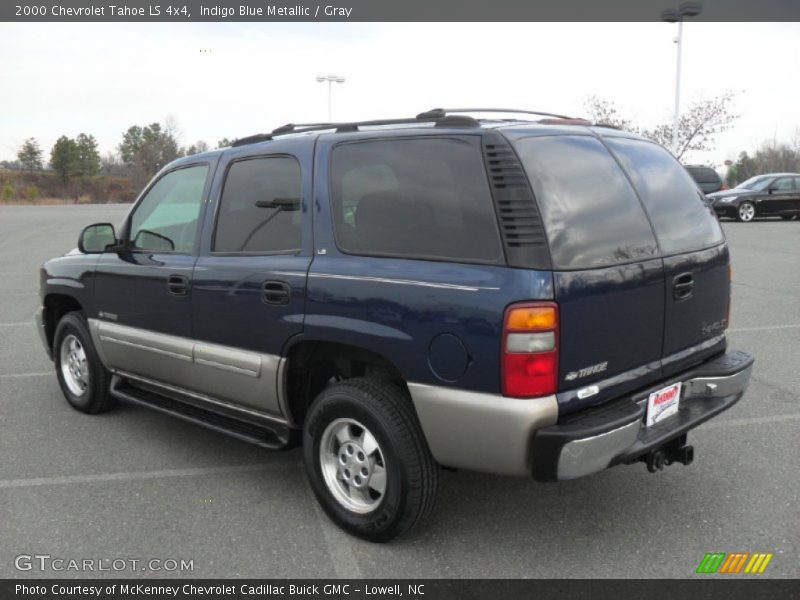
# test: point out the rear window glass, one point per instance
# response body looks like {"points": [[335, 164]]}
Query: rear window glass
{"points": [[681, 219], [703, 174], [591, 213], [417, 198]]}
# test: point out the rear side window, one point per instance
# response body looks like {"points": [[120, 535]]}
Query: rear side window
{"points": [[591, 213], [245, 227], [703, 174], [681, 219], [416, 198]]}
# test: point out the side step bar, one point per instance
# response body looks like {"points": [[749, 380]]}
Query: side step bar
{"points": [[262, 431]]}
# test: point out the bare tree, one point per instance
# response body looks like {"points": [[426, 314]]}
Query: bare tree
{"points": [[771, 157], [603, 111], [698, 126]]}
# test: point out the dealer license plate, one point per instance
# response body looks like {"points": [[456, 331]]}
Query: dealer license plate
{"points": [[663, 404]]}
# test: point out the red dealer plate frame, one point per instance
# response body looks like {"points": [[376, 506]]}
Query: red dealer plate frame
{"points": [[662, 404]]}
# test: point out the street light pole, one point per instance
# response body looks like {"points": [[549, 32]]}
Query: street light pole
{"points": [[677, 112], [330, 79], [671, 15]]}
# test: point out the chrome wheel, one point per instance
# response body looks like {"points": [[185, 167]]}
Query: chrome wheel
{"points": [[747, 211], [74, 367], [352, 465]]}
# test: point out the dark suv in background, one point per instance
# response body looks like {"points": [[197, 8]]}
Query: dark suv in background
{"points": [[707, 179], [770, 195], [535, 298]]}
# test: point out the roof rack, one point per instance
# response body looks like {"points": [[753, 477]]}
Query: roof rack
{"points": [[289, 128], [442, 112]]}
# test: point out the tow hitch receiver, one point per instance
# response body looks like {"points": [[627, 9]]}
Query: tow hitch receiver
{"points": [[671, 452]]}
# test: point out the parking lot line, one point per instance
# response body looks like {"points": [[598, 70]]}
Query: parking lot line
{"points": [[17, 324], [143, 475], [751, 421], [337, 542], [22, 375], [765, 327]]}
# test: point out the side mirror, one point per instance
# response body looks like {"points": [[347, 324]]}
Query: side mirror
{"points": [[94, 239]]}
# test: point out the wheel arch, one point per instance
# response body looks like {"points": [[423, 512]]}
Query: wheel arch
{"points": [[55, 306], [312, 364]]}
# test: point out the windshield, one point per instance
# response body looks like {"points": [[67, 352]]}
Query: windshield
{"points": [[757, 183]]}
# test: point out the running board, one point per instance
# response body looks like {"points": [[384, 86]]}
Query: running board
{"points": [[261, 431]]}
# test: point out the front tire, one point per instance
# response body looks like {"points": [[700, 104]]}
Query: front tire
{"points": [[746, 212], [83, 379], [367, 459]]}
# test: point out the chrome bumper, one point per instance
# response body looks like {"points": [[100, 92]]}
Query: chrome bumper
{"points": [[616, 434]]}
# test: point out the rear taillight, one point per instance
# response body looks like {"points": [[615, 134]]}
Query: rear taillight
{"points": [[530, 349]]}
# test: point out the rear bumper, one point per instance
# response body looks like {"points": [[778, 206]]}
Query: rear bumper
{"points": [[614, 433]]}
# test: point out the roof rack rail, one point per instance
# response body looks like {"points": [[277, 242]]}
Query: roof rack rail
{"points": [[607, 125], [442, 112], [289, 128]]}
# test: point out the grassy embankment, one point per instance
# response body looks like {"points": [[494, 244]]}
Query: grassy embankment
{"points": [[45, 187]]}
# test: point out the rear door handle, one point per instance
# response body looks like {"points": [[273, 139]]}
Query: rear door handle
{"points": [[178, 285], [276, 292], [683, 286]]}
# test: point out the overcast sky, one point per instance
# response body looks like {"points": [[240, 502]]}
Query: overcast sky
{"points": [[63, 79]]}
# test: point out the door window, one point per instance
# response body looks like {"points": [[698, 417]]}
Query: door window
{"points": [[166, 219], [782, 184], [250, 220]]}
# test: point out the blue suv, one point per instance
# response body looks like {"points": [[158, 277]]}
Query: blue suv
{"points": [[540, 297]]}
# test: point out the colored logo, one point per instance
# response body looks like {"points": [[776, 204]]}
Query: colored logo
{"points": [[735, 562]]}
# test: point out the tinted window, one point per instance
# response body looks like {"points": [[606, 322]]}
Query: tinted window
{"points": [[424, 198], [703, 174], [590, 211], [797, 183], [242, 225], [782, 184], [681, 219], [757, 183], [166, 219]]}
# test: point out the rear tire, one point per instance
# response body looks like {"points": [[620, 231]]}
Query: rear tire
{"points": [[367, 459], [84, 380], [746, 212]]}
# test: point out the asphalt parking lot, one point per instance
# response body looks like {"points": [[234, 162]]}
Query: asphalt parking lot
{"points": [[136, 484]]}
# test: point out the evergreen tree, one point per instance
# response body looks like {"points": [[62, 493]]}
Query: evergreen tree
{"points": [[30, 155]]}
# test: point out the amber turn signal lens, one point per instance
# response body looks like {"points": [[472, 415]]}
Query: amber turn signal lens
{"points": [[530, 318]]}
